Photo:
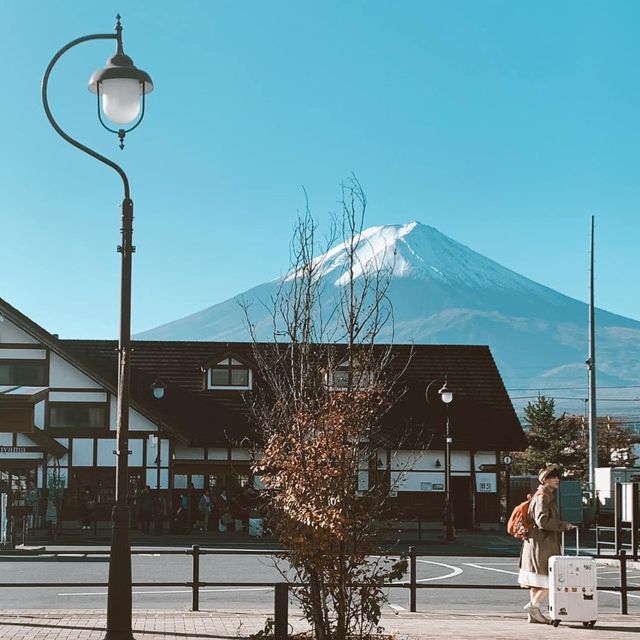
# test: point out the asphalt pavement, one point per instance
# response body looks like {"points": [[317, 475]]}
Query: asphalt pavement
{"points": [[461, 616]]}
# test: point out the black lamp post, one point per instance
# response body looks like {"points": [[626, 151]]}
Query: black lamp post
{"points": [[446, 395], [122, 88]]}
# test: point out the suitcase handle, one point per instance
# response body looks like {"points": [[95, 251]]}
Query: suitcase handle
{"points": [[577, 530]]}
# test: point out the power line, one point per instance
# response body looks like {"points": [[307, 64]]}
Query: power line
{"points": [[630, 386]]}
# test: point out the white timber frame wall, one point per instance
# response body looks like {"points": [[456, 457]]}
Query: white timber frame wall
{"points": [[424, 470], [69, 390]]}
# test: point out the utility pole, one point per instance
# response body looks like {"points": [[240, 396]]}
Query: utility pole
{"points": [[591, 364]]}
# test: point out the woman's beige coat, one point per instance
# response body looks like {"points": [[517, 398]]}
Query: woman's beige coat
{"points": [[544, 539]]}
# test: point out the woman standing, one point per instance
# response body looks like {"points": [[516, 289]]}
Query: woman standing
{"points": [[542, 542]]}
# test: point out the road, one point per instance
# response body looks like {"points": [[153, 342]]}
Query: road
{"points": [[152, 567]]}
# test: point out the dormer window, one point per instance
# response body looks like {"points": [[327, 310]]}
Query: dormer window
{"points": [[339, 377], [230, 373]]}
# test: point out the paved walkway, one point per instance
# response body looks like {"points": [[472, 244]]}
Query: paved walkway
{"points": [[183, 625]]}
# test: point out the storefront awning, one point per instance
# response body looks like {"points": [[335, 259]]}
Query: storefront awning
{"points": [[16, 416], [47, 443], [16, 407]]}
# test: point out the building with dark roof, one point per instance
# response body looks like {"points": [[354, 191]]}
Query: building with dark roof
{"points": [[191, 428]]}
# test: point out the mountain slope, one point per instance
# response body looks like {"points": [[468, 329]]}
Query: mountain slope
{"points": [[443, 292]]}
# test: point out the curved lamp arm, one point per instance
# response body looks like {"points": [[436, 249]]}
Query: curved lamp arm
{"points": [[56, 126]]}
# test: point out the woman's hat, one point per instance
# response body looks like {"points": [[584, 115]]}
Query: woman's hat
{"points": [[547, 471]]}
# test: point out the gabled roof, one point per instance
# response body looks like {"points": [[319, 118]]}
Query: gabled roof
{"points": [[57, 346], [482, 416]]}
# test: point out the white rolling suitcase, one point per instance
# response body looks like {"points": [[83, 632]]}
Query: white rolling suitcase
{"points": [[573, 582]]}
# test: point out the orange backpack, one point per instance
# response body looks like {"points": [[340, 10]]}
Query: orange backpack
{"points": [[520, 524]]}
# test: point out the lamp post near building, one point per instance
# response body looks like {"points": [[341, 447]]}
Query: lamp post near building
{"points": [[121, 89], [446, 395]]}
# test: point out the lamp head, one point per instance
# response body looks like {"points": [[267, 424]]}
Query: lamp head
{"points": [[446, 395], [121, 85], [158, 388]]}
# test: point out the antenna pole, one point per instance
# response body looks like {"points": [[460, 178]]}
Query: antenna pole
{"points": [[591, 364]]}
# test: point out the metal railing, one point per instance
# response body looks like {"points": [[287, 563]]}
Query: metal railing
{"points": [[626, 521], [281, 589]]}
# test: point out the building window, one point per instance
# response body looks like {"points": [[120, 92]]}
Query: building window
{"points": [[27, 373], [230, 374], [77, 415], [339, 377]]}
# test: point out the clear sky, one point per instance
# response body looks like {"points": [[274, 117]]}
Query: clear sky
{"points": [[504, 124]]}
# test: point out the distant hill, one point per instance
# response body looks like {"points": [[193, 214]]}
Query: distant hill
{"points": [[443, 292]]}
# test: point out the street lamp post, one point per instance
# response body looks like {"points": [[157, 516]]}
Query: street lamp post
{"points": [[446, 395], [122, 88]]}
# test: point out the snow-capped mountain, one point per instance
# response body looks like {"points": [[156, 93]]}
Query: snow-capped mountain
{"points": [[444, 292]]}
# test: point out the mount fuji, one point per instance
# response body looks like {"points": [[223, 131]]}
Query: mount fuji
{"points": [[443, 292]]}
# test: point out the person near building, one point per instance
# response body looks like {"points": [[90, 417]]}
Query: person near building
{"points": [[87, 509], [542, 542], [223, 508], [159, 512], [204, 510], [145, 509]]}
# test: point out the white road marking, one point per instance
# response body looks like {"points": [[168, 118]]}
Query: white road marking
{"points": [[158, 592], [615, 593], [455, 571], [515, 573], [478, 566]]}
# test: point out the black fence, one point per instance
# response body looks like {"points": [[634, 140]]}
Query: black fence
{"points": [[281, 589]]}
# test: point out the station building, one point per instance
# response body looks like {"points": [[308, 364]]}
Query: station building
{"points": [[190, 427]]}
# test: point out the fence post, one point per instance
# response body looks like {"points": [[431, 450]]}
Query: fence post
{"points": [[412, 579], [617, 510], [281, 611], [195, 578], [635, 518], [623, 583]]}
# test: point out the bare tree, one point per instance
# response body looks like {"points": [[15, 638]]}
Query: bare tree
{"points": [[325, 386]]}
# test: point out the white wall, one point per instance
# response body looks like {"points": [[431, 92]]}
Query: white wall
{"points": [[77, 396], [23, 354], [9, 333], [187, 453], [62, 374], [137, 422], [421, 460], [106, 457]]}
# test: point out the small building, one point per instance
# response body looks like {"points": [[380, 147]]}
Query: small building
{"points": [[190, 427]]}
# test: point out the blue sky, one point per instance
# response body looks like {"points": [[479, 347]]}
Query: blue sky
{"points": [[505, 125]]}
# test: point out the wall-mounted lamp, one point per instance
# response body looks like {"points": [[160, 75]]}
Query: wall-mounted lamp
{"points": [[438, 463], [380, 463], [158, 387]]}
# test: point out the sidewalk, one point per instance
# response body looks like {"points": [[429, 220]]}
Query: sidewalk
{"points": [[183, 625], [478, 542]]}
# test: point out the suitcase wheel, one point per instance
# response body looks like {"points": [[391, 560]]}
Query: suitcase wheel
{"points": [[555, 623]]}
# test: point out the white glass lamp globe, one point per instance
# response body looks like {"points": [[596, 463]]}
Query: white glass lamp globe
{"points": [[121, 99], [446, 395]]}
